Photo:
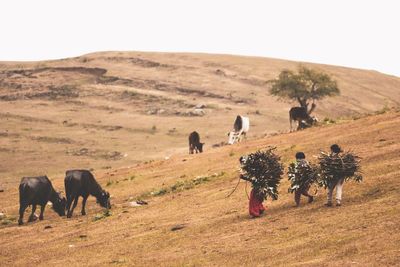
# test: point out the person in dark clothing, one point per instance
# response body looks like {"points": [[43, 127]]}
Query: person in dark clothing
{"points": [[303, 190]]}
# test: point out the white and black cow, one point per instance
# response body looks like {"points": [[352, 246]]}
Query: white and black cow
{"points": [[240, 129]]}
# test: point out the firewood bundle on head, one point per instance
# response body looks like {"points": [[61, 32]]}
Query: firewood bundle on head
{"points": [[334, 167], [301, 174], [264, 170]]}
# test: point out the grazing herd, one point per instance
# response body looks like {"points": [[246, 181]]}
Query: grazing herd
{"points": [[35, 191], [39, 190], [242, 125]]}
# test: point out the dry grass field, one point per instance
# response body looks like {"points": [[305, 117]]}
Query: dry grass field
{"points": [[127, 116]]}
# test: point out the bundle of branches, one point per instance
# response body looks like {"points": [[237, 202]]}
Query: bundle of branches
{"points": [[334, 167], [301, 175], [264, 170]]}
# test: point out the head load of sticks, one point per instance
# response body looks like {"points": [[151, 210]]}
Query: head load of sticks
{"points": [[264, 170], [336, 166], [301, 175]]}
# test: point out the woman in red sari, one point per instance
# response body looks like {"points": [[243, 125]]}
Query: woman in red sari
{"points": [[256, 207]]}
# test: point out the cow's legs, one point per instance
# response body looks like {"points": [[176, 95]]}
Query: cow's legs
{"points": [[69, 202], [190, 149], [299, 125], [71, 210], [83, 204], [73, 206], [32, 217], [22, 209], [240, 136], [42, 211], [243, 136]]}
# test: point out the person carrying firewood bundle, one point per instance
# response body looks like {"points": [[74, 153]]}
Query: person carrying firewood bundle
{"points": [[335, 168], [301, 175], [256, 207], [263, 170], [335, 151]]}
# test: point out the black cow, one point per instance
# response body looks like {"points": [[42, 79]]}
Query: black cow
{"points": [[194, 143], [38, 191], [82, 183], [300, 115]]}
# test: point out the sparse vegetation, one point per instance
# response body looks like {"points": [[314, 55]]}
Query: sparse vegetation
{"points": [[327, 120], [106, 213], [181, 185], [7, 220]]}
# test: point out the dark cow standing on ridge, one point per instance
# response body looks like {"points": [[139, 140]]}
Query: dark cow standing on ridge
{"points": [[301, 114], [82, 183], [194, 143], [38, 191]]}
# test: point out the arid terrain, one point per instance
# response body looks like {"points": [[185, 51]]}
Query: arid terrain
{"points": [[127, 116]]}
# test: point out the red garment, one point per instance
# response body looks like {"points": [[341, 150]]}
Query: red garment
{"points": [[256, 207]]}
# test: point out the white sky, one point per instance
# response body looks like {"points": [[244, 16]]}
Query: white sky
{"points": [[354, 33]]}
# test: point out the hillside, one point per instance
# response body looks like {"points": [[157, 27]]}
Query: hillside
{"points": [[364, 231], [112, 109]]}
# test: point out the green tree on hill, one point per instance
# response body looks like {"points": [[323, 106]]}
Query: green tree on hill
{"points": [[304, 86]]}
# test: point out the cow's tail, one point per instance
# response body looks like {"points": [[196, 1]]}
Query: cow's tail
{"points": [[67, 185], [23, 193], [290, 120]]}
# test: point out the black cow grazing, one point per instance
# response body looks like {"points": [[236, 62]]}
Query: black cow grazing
{"points": [[82, 183], [302, 117], [38, 191], [194, 143]]}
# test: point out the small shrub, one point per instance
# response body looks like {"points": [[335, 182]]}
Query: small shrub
{"points": [[159, 192], [103, 215], [328, 121], [7, 220]]}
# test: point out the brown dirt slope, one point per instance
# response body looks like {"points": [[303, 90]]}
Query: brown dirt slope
{"points": [[364, 231], [111, 109]]}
